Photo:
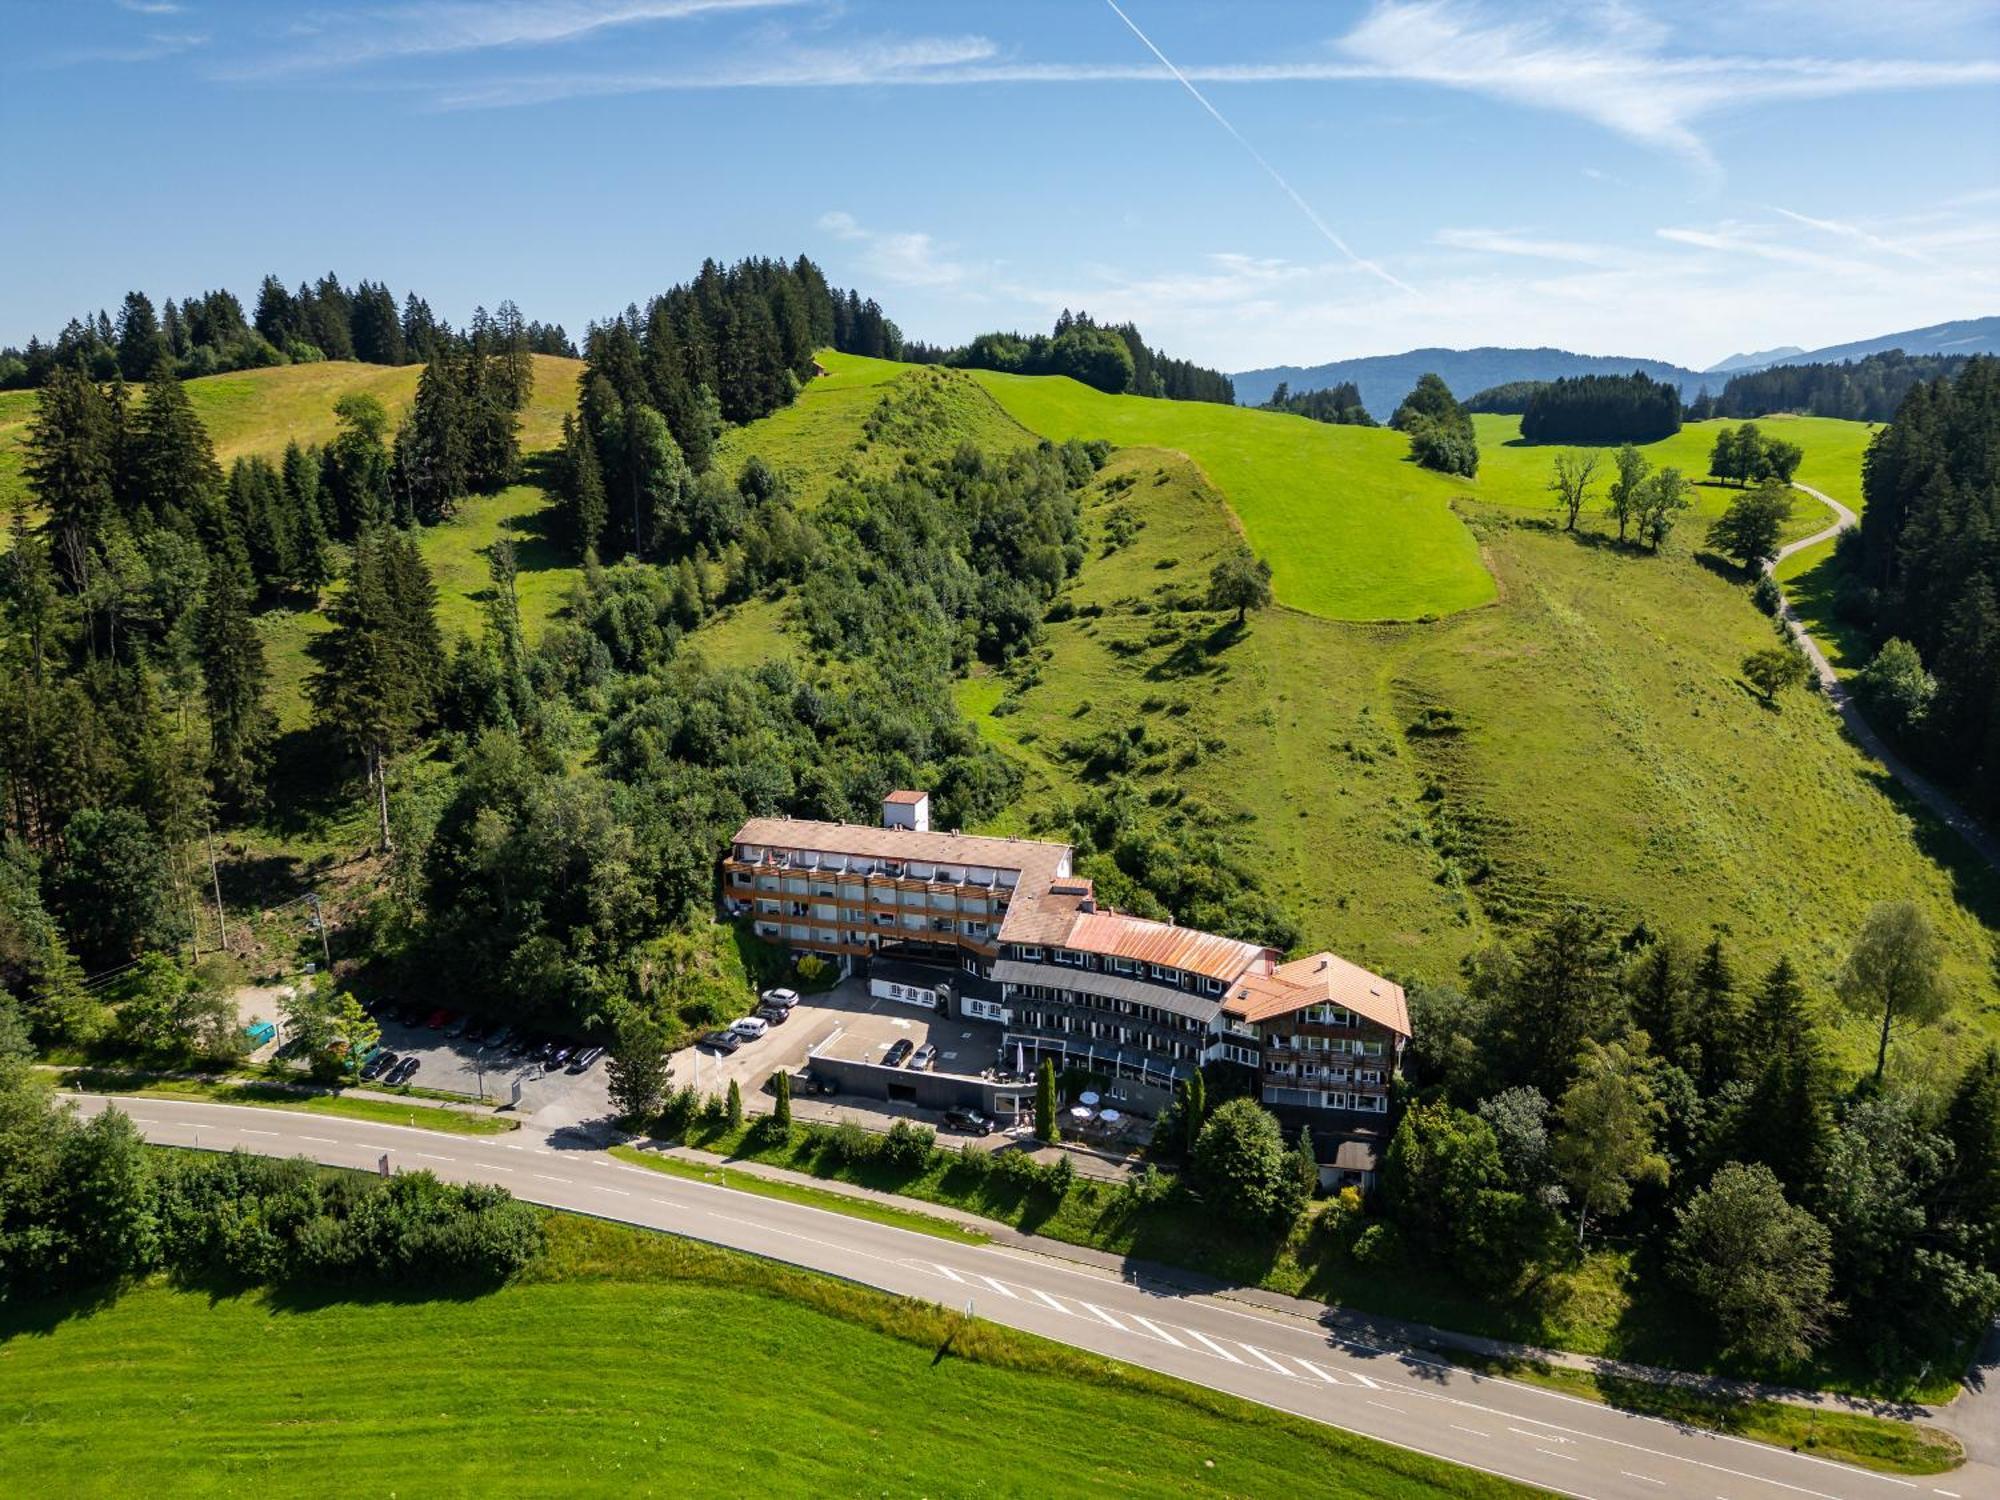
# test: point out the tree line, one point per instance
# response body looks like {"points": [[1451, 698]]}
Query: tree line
{"points": [[1924, 576], [1602, 409], [1340, 404], [1109, 357], [1642, 1086], [210, 334], [1869, 389]]}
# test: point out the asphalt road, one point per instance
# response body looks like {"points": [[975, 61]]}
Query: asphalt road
{"points": [[1540, 1437]]}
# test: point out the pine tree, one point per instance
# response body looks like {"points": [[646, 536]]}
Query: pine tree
{"points": [[70, 462], [234, 679], [172, 461], [433, 453], [781, 1111], [1046, 1128], [583, 487], [1715, 1020], [141, 346]]}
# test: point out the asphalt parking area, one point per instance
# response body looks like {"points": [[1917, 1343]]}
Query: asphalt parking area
{"points": [[481, 1069]]}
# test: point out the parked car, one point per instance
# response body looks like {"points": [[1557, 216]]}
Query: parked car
{"points": [[750, 1027], [968, 1122], [924, 1056], [774, 1014], [458, 1026], [783, 999], [380, 1063], [895, 1055], [438, 1019], [724, 1042], [410, 1015], [563, 1053], [404, 1070], [585, 1060], [544, 1050]]}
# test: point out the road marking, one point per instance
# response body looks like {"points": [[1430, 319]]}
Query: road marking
{"points": [[1270, 1361], [1948, 1494], [319, 1140], [142, 1120], [546, 1178], [615, 1192], [1476, 1432], [246, 1130], [1385, 1406], [1551, 1453], [1103, 1316], [1329, 1379], [505, 1147], [1156, 1330], [494, 1167], [428, 1157], [1211, 1343], [999, 1286], [948, 1272], [1048, 1299], [1643, 1478]]}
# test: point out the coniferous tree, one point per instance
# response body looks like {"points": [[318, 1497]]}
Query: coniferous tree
{"points": [[71, 459], [141, 345], [234, 679], [172, 462], [433, 446]]}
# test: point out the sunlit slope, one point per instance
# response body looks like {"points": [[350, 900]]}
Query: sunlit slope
{"points": [[1351, 528], [259, 411]]}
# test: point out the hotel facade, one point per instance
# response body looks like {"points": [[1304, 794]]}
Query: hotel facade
{"points": [[1011, 936]]}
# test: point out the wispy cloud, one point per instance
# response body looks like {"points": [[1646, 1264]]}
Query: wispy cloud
{"points": [[151, 7], [152, 47], [1614, 69], [905, 258], [1509, 242], [1854, 232], [347, 38], [1739, 240]]}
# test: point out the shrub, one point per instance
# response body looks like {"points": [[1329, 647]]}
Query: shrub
{"points": [[1767, 596], [849, 1145], [907, 1147], [1378, 1245]]}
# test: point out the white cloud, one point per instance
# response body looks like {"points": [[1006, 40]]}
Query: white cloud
{"points": [[1509, 242], [151, 7], [432, 27], [905, 258]]}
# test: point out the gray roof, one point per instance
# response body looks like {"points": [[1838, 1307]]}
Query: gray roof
{"points": [[1202, 1008]]}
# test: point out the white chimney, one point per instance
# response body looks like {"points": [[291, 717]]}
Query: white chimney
{"points": [[907, 810]]}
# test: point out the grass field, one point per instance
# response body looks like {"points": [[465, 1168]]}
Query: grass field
{"points": [[1351, 528], [1516, 474], [1409, 791], [630, 1364]]}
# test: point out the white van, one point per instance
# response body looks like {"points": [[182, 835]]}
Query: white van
{"points": [[750, 1027]]}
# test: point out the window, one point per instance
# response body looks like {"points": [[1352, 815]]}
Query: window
{"points": [[986, 1010], [1032, 955]]}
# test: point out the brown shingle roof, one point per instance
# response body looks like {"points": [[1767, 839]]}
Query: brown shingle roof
{"points": [[906, 799], [1322, 979], [1162, 943]]}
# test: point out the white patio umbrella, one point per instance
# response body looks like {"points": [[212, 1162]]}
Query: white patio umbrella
{"points": [[1079, 1112]]}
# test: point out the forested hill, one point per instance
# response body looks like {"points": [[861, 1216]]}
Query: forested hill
{"points": [[1384, 379]]}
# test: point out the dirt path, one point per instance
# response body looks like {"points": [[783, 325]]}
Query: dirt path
{"points": [[1947, 811]]}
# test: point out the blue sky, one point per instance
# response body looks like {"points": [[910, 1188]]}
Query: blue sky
{"points": [[1322, 180]]}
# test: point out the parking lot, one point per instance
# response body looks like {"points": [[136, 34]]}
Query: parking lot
{"points": [[849, 1018], [506, 1075]]}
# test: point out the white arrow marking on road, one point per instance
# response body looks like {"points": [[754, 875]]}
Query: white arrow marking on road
{"points": [[1211, 1343]]}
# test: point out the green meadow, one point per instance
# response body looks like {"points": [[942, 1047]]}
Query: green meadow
{"points": [[1352, 529], [631, 1364]]}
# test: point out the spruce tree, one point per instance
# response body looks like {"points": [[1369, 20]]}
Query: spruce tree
{"points": [[71, 458], [234, 678], [1046, 1128], [172, 461]]}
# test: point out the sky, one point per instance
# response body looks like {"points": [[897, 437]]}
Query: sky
{"points": [[1252, 183]]}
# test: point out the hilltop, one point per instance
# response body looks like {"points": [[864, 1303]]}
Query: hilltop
{"points": [[1411, 790]]}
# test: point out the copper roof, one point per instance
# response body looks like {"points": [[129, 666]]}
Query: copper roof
{"points": [[1162, 943], [1322, 979]]}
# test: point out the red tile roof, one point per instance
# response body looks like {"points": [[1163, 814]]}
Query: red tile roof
{"points": [[1322, 979]]}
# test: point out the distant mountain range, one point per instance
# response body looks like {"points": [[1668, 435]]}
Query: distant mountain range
{"points": [[1384, 379]]}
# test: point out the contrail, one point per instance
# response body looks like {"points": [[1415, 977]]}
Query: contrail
{"points": [[1257, 156]]}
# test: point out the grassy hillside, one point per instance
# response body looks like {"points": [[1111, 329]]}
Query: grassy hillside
{"points": [[1412, 790], [1515, 473], [630, 1364], [259, 411], [1351, 528], [862, 416]]}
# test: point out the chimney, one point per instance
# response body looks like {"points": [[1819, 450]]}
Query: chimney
{"points": [[907, 810]]}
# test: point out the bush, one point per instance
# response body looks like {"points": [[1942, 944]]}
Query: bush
{"points": [[908, 1147], [849, 1145], [1378, 1245], [1767, 596]]}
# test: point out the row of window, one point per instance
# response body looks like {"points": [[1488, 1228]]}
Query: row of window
{"points": [[1367, 1104], [1131, 968], [853, 894], [1083, 999], [880, 921], [1313, 1073], [1062, 1023], [863, 864], [1339, 1045]]}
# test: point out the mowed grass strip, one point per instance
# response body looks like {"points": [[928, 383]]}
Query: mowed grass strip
{"points": [[631, 1363], [276, 1096], [797, 1192], [1351, 528]]}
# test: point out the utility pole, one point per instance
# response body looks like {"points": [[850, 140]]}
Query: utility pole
{"points": [[319, 921], [215, 874]]}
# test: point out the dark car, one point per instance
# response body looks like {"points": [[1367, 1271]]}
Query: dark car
{"points": [[968, 1122], [404, 1070], [563, 1053], [724, 1042], [458, 1026], [543, 1050], [896, 1054], [773, 1015], [380, 1063], [585, 1059]]}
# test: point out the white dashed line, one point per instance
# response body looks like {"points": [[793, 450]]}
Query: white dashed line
{"points": [[246, 1130], [1211, 1343], [546, 1178], [1477, 1432], [1385, 1406], [428, 1157], [1551, 1453], [615, 1192]]}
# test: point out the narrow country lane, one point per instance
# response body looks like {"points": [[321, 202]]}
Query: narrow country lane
{"points": [[1940, 803], [1540, 1437]]}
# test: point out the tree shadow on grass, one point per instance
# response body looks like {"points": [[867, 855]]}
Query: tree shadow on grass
{"points": [[1196, 655], [40, 1316]]}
